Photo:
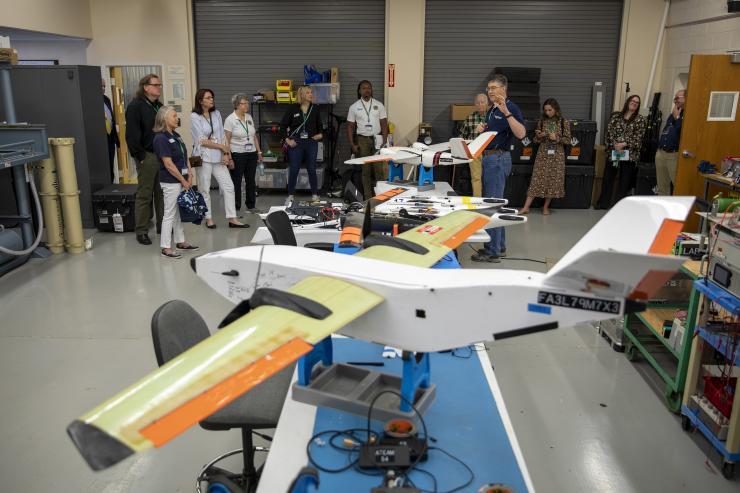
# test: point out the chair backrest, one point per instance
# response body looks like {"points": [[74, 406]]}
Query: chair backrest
{"points": [[176, 327], [278, 223]]}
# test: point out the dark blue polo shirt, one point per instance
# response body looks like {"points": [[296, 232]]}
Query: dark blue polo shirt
{"points": [[671, 133], [497, 122], [170, 145]]}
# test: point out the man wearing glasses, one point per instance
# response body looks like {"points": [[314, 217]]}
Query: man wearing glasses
{"points": [[139, 135], [506, 119], [666, 157]]}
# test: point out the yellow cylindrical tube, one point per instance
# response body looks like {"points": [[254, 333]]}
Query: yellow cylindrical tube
{"points": [[49, 193], [69, 193]]}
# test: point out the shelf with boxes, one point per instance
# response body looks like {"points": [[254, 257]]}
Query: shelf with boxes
{"points": [[659, 333], [711, 402]]}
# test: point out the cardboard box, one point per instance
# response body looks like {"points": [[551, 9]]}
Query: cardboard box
{"points": [[460, 111], [269, 95], [334, 74], [9, 55]]}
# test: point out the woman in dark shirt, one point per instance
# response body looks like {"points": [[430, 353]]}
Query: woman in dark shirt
{"points": [[175, 174], [624, 133], [303, 131]]}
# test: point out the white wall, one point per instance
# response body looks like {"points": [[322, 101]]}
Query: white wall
{"points": [[404, 47], [718, 36], [71, 52], [64, 17]]}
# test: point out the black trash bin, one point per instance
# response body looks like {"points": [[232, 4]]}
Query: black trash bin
{"points": [[114, 199]]}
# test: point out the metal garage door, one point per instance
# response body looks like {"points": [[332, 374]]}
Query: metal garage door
{"points": [[244, 46], [575, 43]]}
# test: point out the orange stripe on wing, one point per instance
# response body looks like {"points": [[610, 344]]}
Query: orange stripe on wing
{"points": [[650, 284], [172, 424], [458, 238], [467, 150], [483, 147], [666, 237], [350, 234], [379, 160]]}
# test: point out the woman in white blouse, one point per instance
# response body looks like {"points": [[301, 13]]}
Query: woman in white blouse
{"points": [[209, 142], [245, 150]]}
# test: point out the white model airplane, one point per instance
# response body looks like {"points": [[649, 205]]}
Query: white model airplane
{"points": [[456, 151], [387, 294]]}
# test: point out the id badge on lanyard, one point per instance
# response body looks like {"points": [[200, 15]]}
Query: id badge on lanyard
{"points": [[304, 132], [249, 146], [368, 125]]}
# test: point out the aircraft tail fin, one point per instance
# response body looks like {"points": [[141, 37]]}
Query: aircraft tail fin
{"points": [[459, 149], [626, 254], [476, 147]]}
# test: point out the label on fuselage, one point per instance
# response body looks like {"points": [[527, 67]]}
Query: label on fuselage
{"points": [[579, 302]]}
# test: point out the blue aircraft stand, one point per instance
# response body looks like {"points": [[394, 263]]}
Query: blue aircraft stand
{"points": [[426, 176], [416, 374], [395, 172]]}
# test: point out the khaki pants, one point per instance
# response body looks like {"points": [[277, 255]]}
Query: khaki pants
{"points": [[148, 178], [665, 170], [371, 173], [171, 224], [476, 174]]}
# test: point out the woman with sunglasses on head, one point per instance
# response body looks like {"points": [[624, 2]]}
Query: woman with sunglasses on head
{"points": [[175, 174], [303, 131], [209, 142], [624, 135]]}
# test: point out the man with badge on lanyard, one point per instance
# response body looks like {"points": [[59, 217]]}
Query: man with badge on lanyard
{"points": [[506, 119], [368, 117], [666, 157], [140, 115]]}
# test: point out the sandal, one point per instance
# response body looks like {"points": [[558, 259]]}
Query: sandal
{"points": [[170, 254], [545, 212], [187, 247]]}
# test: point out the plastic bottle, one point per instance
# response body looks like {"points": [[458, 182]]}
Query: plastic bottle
{"points": [[261, 168]]}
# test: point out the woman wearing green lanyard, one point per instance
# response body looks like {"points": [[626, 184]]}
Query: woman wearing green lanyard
{"points": [[175, 174], [245, 150], [303, 129]]}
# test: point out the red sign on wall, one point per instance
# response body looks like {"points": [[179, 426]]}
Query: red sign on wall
{"points": [[391, 75]]}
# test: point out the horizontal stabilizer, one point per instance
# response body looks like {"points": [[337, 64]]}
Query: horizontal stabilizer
{"points": [[626, 253]]}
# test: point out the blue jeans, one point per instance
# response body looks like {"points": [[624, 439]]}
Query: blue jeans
{"points": [[496, 167], [304, 151]]}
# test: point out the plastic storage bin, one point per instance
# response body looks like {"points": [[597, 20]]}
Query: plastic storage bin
{"points": [[111, 200], [325, 93], [303, 184], [583, 138]]}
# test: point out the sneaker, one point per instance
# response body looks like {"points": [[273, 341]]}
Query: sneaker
{"points": [[314, 198], [289, 201], [186, 247], [483, 251], [171, 254], [485, 257]]}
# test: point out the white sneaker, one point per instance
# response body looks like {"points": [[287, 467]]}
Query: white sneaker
{"points": [[289, 201]]}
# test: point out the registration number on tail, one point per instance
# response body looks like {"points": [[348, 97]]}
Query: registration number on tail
{"points": [[579, 302]]}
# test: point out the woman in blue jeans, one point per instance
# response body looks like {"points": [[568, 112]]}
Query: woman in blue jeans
{"points": [[303, 131]]}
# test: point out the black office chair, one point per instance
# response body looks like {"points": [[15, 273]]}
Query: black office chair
{"points": [[280, 228], [176, 327]]}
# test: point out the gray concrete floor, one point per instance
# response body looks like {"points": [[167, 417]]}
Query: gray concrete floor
{"points": [[75, 329]]}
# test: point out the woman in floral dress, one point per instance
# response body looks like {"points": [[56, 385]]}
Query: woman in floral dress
{"points": [[548, 175]]}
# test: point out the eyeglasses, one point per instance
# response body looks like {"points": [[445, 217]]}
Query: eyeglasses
{"points": [[243, 102], [209, 97], [155, 85]]}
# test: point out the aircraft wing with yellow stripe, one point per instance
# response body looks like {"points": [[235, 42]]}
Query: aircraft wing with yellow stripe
{"points": [[437, 237], [214, 372]]}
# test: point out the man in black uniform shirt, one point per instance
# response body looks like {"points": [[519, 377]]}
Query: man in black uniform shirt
{"points": [[139, 123]]}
